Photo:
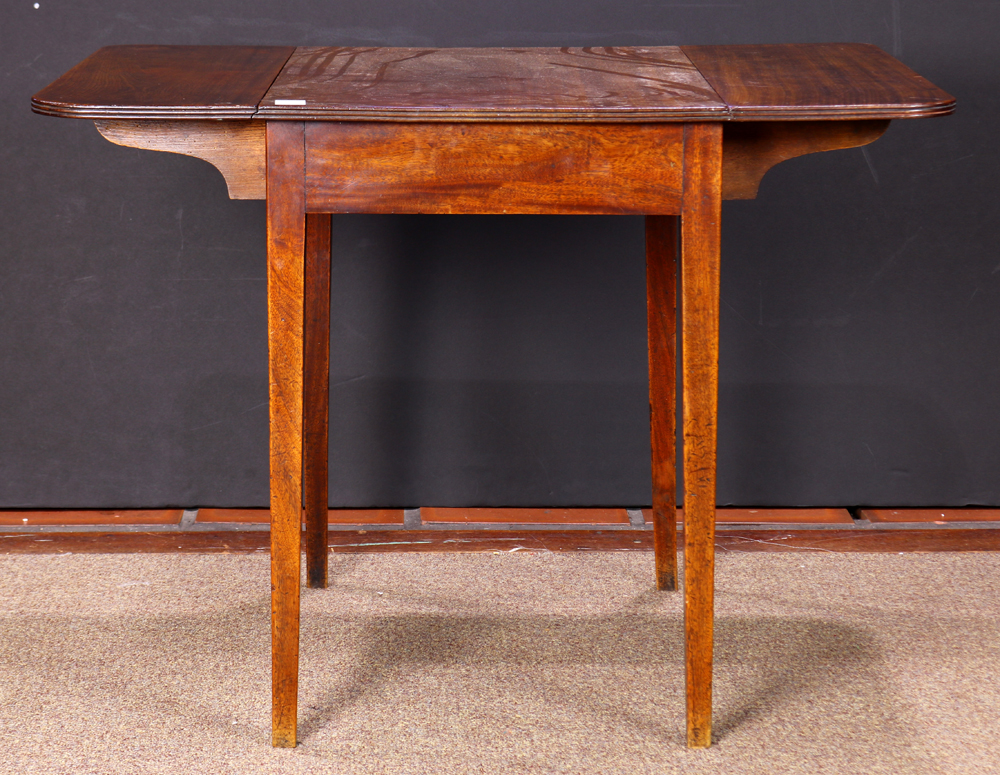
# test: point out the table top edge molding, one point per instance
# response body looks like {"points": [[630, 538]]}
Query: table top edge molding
{"points": [[795, 82], [213, 113], [165, 81], [111, 112]]}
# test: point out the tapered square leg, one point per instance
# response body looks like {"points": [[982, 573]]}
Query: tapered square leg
{"points": [[286, 238], [661, 318], [701, 213], [316, 409]]}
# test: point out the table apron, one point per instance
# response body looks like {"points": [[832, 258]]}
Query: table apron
{"points": [[619, 169]]}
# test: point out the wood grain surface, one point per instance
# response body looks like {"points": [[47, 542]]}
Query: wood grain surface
{"points": [[816, 81], [661, 320], [789, 517], [393, 541], [493, 168], [316, 396], [165, 82], [285, 313], [655, 83], [701, 221], [357, 517], [555, 516], [235, 148], [542, 130], [491, 84], [751, 148], [930, 516], [92, 517]]}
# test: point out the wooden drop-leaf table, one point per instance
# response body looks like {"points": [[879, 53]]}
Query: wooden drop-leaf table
{"points": [[666, 132]]}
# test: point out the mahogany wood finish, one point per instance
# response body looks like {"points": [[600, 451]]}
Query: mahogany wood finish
{"points": [[751, 148], [365, 516], [932, 516], [391, 541], [237, 516], [235, 148], [772, 516], [433, 515], [93, 517], [874, 541], [512, 516], [286, 247], [816, 81], [94, 542], [701, 221], [334, 516], [493, 168], [491, 84], [661, 323], [316, 396], [658, 83], [190, 82], [539, 130]]}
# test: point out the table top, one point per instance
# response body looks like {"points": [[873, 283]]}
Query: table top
{"points": [[591, 84]]}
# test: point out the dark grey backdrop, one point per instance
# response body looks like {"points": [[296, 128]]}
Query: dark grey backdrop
{"points": [[500, 361]]}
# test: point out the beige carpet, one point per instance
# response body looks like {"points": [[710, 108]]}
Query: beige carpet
{"points": [[501, 663]]}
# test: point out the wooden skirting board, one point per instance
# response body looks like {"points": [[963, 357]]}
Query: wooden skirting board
{"points": [[497, 530], [376, 541]]}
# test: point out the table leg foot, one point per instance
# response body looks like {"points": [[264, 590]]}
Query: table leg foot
{"points": [[661, 319], [700, 735], [666, 579]]}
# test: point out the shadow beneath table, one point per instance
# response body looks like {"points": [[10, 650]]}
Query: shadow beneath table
{"points": [[620, 675]]}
